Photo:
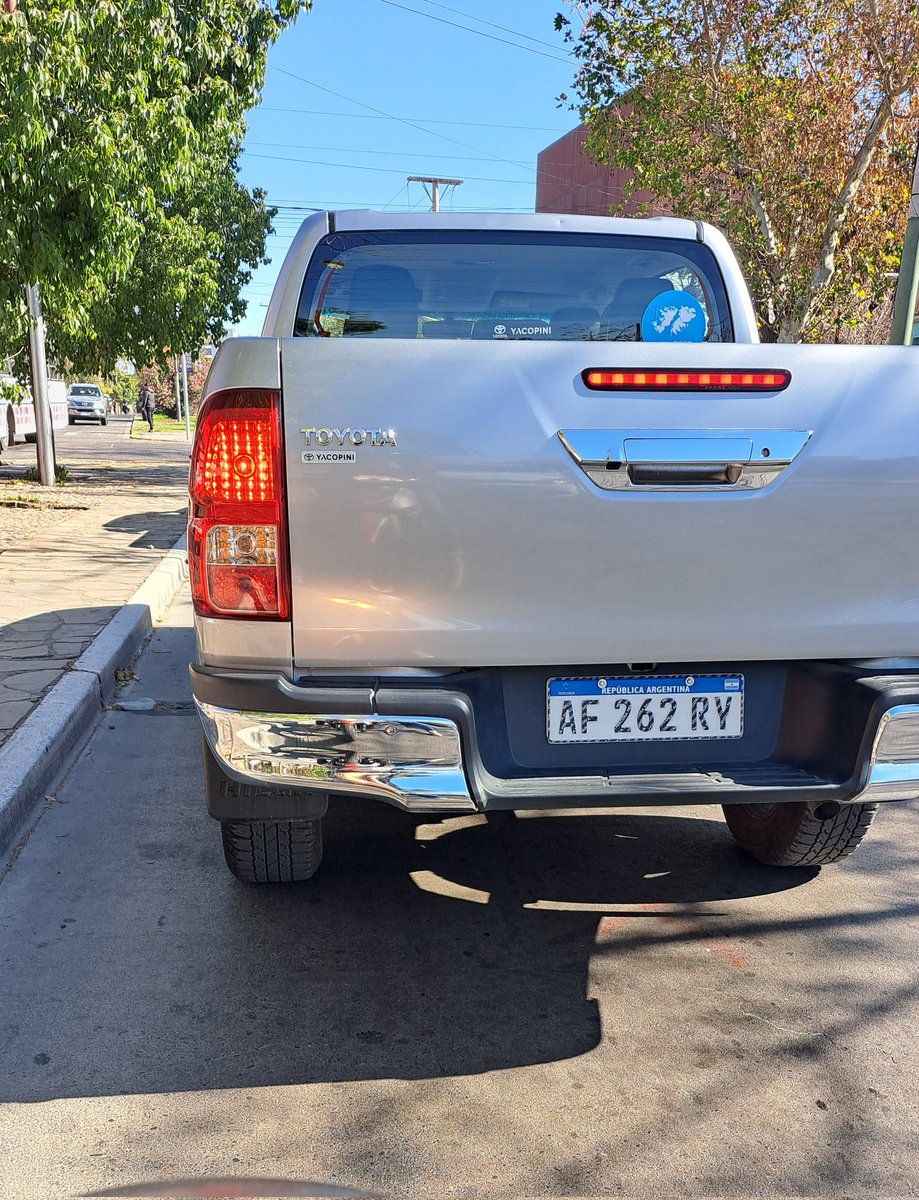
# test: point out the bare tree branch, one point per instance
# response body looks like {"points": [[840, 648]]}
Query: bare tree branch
{"points": [[826, 264]]}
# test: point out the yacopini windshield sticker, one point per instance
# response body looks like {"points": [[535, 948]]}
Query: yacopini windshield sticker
{"points": [[674, 317]]}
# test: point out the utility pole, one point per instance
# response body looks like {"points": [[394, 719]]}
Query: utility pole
{"points": [[435, 185], [44, 436], [185, 386], [175, 375], [904, 306]]}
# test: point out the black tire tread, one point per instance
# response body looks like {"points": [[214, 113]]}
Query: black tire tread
{"points": [[789, 835], [273, 851]]}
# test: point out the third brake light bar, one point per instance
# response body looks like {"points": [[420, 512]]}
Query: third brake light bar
{"points": [[686, 381]]}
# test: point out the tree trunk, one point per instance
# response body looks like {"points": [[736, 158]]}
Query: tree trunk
{"points": [[791, 327]]}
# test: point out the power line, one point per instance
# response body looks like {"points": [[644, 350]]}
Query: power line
{"points": [[492, 25], [432, 133], [315, 162], [402, 189], [287, 209], [478, 32], [319, 112], [352, 150], [402, 120], [294, 206]]}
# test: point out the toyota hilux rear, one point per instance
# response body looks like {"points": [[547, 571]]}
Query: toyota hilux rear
{"points": [[507, 513]]}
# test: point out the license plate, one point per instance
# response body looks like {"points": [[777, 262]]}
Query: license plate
{"points": [[651, 708]]}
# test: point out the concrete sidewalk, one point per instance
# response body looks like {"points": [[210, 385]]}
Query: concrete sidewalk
{"points": [[71, 559]]}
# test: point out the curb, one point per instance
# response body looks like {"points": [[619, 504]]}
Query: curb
{"points": [[54, 733]]}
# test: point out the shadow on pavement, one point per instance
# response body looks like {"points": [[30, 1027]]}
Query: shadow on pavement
{"points": [[134, 963], [150, 526], [35, 651]]}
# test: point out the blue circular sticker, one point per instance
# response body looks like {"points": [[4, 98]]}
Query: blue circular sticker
{"points": [[674, 317]]}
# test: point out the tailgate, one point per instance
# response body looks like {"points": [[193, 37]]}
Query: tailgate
{"points": [[478, 539]]}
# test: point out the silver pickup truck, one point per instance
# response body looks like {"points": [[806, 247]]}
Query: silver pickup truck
{"points": [[506, 513]]}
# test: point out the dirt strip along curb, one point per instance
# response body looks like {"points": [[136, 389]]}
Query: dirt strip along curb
{"points": [[46, 744]]}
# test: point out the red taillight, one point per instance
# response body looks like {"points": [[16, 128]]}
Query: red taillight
{"points": [[237, 464], [687, 381], [237, 546]]}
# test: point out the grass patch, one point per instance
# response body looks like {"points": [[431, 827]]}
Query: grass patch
{"points": [[23, 502], [42, 500], [61, 475], [161, 424]]}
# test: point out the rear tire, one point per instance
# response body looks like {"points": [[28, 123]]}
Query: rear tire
{"points": [[789, 835], [273, 851], [287, 849]]}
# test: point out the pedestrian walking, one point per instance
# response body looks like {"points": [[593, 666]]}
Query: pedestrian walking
{"points": [[147, 405]]}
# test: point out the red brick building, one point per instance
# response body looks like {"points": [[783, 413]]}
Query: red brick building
{"points": [[568, 182]]}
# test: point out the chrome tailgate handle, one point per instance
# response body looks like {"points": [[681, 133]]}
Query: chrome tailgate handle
{"points": [[685, 462], [683, 459]]}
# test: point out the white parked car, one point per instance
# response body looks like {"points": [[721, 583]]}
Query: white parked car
{"points": [[17, 412], [87, 402]]}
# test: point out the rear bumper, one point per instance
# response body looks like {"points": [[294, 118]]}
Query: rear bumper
{"points": [[431, 745], [414, 764]]}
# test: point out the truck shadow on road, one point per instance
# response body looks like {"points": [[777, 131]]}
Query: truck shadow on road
{"points": [[421, 950]]}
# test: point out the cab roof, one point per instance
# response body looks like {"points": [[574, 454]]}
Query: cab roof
{"points": [[670, 227]]}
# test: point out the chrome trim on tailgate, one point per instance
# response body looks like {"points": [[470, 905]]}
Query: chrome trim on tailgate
{"points": [[681, 459], [411, 762]]}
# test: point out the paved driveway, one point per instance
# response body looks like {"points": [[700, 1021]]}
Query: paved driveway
{"points": [[584, 1004]]}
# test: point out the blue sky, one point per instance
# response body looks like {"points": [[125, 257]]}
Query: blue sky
{"points": [[309, 147]]}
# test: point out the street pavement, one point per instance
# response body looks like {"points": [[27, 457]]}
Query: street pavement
{"points": [[586, 1004], [68, 567], [89, 443]]}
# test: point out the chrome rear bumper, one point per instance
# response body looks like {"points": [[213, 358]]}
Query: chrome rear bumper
{"points": [[893, 767], [417, 764], [412, 762]]}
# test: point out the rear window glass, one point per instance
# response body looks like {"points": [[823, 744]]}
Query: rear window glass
{"points": [[513, 286]]}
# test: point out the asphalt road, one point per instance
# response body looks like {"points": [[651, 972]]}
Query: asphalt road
{"points": [[89, 443], [584, 1004]]}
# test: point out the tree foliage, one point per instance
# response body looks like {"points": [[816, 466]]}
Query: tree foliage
{"points": [[159, 377], [119, 131], [123, 388], [189, 267], [788, 123], [197, 378]]}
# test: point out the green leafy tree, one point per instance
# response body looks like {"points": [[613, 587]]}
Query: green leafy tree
{"points": [[788, 123], [189, 268], [123, 389], [197, 378], [118, 145]]}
